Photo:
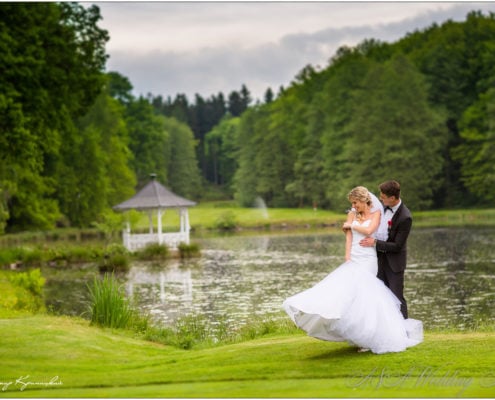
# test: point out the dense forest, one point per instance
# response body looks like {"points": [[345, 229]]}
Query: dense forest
{"points": [[75, 141]]}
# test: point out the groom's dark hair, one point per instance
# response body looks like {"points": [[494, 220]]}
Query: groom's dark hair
{"points": [[390, 188]]}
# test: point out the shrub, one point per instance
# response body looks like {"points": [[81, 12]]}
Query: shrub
{"points": [[9, 256], [30, 296], [32, 256], [226, 221], [72, 254], [116, 258], [189, 250], [30, 280], [153, 251]]}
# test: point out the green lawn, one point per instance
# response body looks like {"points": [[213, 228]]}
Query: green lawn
{"points": [[207, 215], [65, 357]]}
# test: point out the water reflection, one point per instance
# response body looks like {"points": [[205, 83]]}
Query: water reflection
{"points": [[449, 281]]}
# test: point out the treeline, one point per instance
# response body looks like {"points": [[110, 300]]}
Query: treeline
{"points": [[420, 110], [74, 141], [202, 116]]}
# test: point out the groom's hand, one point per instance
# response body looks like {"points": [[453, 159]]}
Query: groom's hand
{"points": [[367, 242]]}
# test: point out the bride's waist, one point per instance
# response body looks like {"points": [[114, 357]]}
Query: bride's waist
{"points": [[365, 252]]}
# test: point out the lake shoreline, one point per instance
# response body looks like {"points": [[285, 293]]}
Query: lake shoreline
{"points": [[205, 220]]}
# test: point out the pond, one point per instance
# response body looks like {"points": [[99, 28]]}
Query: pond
{"points": [[450, 278]]}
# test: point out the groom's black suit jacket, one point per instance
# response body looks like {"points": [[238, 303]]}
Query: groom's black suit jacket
{"points": [[394, 248]]}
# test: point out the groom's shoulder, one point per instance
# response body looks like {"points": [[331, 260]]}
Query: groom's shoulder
{"points": [[405, 211]]}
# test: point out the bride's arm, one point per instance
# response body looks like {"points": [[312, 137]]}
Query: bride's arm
{"points": [[348, 236], [373, 226]]}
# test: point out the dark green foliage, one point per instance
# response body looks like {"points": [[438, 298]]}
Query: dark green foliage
{"points": [[189, 250], [226, 221], [116, 258], [153, 251], [221, 148], [51, 61], [183, 172], [149, 141], [379, 111], [163, 146], [476, 153], [391, 122]]}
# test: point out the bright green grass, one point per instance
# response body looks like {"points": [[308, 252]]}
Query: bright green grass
{"points": [[206, 215], [446, 218], [93, 362]]}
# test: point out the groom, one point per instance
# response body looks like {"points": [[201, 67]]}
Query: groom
{"points": [[392, 252]]}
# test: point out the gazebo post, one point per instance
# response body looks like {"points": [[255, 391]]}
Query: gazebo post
{"points": [[159, 215], [181, 214], [150, 217], [126, 234], [184, 224]]}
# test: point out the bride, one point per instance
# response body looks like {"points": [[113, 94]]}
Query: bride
{"points": [[351, 304]]}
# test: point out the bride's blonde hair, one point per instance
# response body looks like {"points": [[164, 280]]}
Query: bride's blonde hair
{"points": [[360, 193]]}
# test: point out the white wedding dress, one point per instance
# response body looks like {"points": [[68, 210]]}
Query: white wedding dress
{"points": [[351, 304]]}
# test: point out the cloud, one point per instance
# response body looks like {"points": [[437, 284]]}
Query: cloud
{"points": [[223, 66]]}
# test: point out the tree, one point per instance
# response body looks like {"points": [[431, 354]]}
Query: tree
{"points": [[345, 77], [119, 87], [51, 62], [269, 96], [458, 61], [309, 170], [476, 153], [244, 181], [395, 133], [149, 141], [238, 102], [221, 150], [245, 97], [182, 164]]}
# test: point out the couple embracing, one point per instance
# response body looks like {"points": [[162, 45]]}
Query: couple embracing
{"points": [[362, 301]]}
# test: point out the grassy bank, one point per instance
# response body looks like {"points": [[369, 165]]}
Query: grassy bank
{"points": [[65, 357], [215, 215]]}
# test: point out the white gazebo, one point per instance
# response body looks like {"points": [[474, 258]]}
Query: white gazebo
{"points": [[154, 197]]}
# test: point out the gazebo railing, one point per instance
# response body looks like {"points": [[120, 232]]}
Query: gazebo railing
{"points": [[136, 241]]}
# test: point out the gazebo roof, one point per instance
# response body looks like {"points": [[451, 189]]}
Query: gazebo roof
{"points": [[153, 196]]}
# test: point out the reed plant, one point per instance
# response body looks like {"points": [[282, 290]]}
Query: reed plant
{"points": [[111, 308]]}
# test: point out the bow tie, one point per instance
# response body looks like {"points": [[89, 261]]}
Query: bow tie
{"points": [[387, 208]]}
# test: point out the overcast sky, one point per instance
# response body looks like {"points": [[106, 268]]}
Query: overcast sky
{"points": [[166, 48]]}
